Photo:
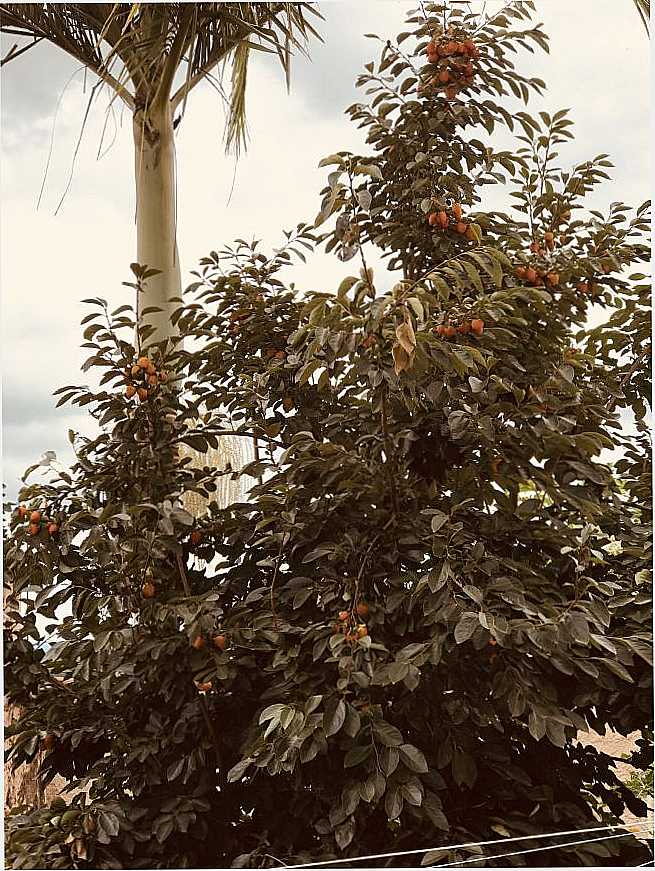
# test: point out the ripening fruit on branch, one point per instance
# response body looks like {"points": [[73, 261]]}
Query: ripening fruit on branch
{"points": [[531, 275], [451, 92], [552, 278], [470, 48], [520, 272], [464, 327], [35, 517], [280, 355], [583, 287], [143, 362], [461, 227], [477, 326], [130, 391], [444, 76], [362, 609], [196, 537], [219, 642], [442, 220], [198, 642], [136, 371], [450, 331], [152, 379], [148, 590], [344, 616], [457, 211], [142, 394], [204, 687], [34, 528], [362, 630], [53, 528], [433, 219]]}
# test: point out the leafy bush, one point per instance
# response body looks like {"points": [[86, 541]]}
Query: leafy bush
{"points": [[435, 583]]}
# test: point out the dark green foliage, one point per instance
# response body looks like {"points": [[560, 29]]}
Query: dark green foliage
{"points": [[445, 493]]}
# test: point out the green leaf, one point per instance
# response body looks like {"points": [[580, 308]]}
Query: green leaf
{"points": [[387, 734], [356, 755], [413, 758], [334, 716], [466, 626], [237, 771]]}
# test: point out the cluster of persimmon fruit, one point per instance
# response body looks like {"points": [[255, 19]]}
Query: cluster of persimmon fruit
{"points": [[199, 642], [454, 59], [450, 218], [537, 277], [348, 626], [143, 378], [532, 272], [37, 521], [448, 330]]}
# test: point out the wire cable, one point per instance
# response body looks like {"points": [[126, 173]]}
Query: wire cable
{"points": [[457, 846], [489, 856]]}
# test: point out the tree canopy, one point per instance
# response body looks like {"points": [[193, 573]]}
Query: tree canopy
{"points": [[439, 579]]}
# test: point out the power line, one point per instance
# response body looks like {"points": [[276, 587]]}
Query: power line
{"points": [[457, 846], [488, 856]]}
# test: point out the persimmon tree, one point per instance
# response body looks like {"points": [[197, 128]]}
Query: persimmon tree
{"points": [[437, 583]]}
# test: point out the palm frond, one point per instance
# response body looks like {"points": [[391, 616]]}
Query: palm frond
{"points": [[236, 130], [148, 42], [643, 8]]}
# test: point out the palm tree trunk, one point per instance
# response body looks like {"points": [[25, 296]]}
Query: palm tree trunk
{"points": [[154, 167]]}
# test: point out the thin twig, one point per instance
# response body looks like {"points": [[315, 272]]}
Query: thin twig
{"points": [[275, 574], [387, 450], [183, 577], [214, 737]]}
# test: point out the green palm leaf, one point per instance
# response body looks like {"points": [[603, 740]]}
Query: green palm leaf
{"points": [[137, 48], [643, 8]]}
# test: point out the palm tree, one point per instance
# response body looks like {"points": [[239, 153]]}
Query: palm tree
{"points": [[151, 55]]}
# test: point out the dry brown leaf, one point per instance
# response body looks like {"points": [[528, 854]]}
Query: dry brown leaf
{"points": [[402, 360], [406, 337]]}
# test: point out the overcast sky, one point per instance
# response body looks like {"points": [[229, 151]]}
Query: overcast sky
{"points": [[598, 67]]}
